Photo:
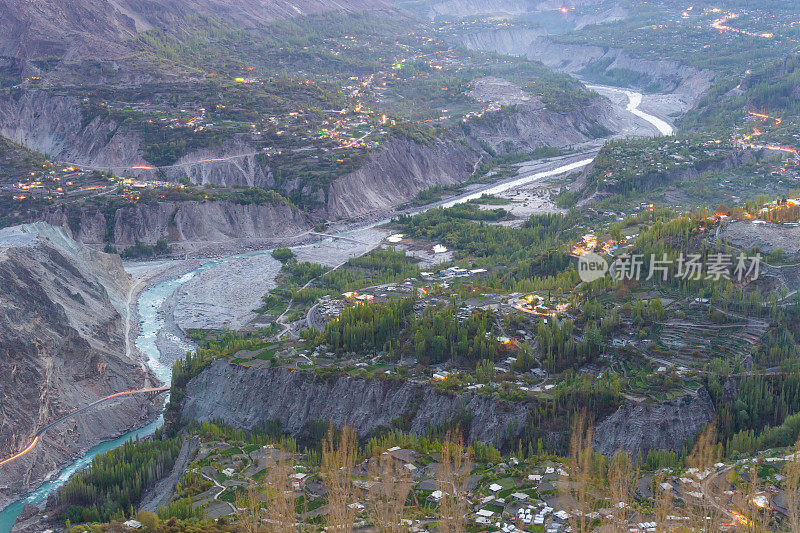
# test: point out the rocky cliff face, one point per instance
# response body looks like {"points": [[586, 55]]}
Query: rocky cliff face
{"points": [[233, 162], [402, 168], [641, 427], [180, 222], [247, 397], [53, 124], [62, 346], [206, 221], [89, 228], [533, 125], [397, 173], [668, 76], [472, 8]]}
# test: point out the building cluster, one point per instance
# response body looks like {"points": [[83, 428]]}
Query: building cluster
{"points": [[534, 304]]}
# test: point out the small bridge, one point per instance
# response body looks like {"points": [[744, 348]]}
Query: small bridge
{"points": [[342, 237]]}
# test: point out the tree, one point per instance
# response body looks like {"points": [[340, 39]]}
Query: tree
{"points": [[663, 502], [338, 461], [579, 462], [791, 487], [451, 480], [484, 372], [705, 453], [280, 512], [622, 476], [388, 499], [282, 254]]}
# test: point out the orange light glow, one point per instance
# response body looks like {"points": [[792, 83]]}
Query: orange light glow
{"points": [[721, 24], [23, 452]]}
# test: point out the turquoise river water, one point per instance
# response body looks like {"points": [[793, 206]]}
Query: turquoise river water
{"points": [[149, 302]]}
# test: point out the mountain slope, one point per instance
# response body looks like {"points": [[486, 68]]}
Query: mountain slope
{"points": [[72, 29], [62, 347]]}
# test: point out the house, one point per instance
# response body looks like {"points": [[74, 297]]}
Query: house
{"points": [[494, 488], [486, 513], [132, 524], [404, 456], [520, 497], [298, 479], [435, 496], [228, 472]]}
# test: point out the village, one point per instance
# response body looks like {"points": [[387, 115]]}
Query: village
{"points": [[509, 494]]}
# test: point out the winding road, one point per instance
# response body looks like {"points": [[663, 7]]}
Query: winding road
{"points": [[35, 441]]}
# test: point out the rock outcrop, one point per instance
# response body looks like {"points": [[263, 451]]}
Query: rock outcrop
{"points": [[206, 221], [180, 222], [402, 168], [233, 162], [248, 397], [667, 76], [638, 427], [54, 124], [472, 8], [397, 173], [765, 236], [63, 312]]}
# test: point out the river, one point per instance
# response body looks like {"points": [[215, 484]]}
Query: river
{"points": [[149, 302], [151, 323], [634, 102]]}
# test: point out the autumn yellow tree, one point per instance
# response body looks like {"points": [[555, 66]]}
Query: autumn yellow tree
{"points": [[791, 487], [663, 502], [280, 509], [338, 461], [387, 499], [249, 511], [707, 511], [622, 476], [451, 480], [579, 462]]}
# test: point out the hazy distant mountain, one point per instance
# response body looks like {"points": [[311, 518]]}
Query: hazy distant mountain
{"points": [[69, 29], [471, 8]]}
